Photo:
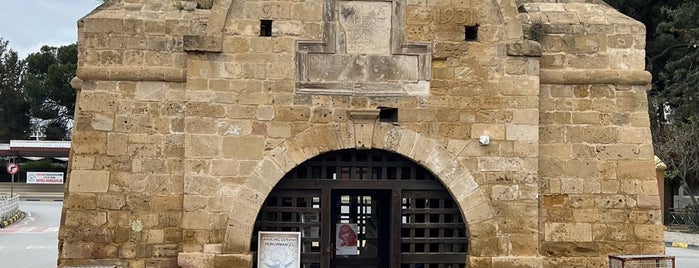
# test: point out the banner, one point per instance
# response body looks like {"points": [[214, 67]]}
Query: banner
{"points": [[279, 250], [45, 177]]}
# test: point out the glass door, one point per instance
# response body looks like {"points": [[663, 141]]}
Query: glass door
{"points": [[360, 228]]}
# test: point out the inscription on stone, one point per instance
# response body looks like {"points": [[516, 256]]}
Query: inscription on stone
{"points": [[275, 11], [362, 68], [462, 16], [333, 67], [366, 26]]}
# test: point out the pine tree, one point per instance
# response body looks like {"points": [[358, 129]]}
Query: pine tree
{"points": [[14, 107], [47, 84]]}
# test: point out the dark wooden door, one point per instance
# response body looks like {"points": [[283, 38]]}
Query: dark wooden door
{"points": [[360, 227]]}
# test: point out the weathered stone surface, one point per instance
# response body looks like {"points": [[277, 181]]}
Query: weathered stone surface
{"points": [[362, 68], [89, 181], [365, 26], [188, 118], [199, 260], [574, 232]]}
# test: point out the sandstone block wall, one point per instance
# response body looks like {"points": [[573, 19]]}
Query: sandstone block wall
{"points": [[598, 196], [187, 118]]}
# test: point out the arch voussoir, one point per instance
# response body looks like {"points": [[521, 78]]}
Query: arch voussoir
{"points": [[283, 158], [429, 152], [239, 229], [424, 147], [406, 142]]}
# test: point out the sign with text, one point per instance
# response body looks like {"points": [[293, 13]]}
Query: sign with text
{"points": [[279, 249], [45, 177]]}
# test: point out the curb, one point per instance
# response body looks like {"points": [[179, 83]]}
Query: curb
{"points": [[20, 215], [681, 245]]}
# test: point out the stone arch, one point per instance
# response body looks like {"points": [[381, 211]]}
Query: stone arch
{"points": [[428, 152], [221, 11]]}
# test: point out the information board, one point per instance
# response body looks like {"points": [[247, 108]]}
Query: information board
{"points": [[45, 177], [279, 250]]}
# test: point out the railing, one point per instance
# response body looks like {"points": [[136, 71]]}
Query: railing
{"points": [[683, 217], [34, 192], [9, 206]]}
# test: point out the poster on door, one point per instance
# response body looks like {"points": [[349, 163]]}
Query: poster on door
{"points": [[279, 250], [346, 239]]}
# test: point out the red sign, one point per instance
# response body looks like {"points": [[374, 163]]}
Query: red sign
{"points": [[12, 168]]}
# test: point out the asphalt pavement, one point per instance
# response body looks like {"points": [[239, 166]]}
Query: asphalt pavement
{"points": [[32, 242], [682, 240]]}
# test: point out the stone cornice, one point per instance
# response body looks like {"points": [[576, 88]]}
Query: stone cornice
{"points": [[132, 73], [575, 77]]}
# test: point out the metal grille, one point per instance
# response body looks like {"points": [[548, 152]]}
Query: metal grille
{"points": [[359, 165], [641, 261], [433, 234], [425, 231], [293, 211]]}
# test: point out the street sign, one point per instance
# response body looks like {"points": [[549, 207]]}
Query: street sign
{"points": [[12, 168]]}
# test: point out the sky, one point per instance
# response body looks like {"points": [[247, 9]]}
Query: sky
{"points": [[30, 24]]}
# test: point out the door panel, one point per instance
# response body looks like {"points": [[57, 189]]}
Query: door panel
{"points": [[360, 220]]}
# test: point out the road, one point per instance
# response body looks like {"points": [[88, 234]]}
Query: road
{"points": [[33, 241], [684, 258]]}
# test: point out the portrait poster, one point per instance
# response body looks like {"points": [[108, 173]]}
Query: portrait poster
{"points": [[346, 239], [279, 250]]}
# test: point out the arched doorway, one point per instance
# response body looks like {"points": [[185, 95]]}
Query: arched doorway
{"points": [[399, 213]]}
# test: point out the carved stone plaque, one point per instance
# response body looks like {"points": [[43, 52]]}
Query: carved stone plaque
{"points": [[362, 68], [363, 53], [365, 26]]}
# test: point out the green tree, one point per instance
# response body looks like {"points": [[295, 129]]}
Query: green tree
{"points": [[14, 107], [672, 51], [680, 76], [662, 46], [47, 85]]}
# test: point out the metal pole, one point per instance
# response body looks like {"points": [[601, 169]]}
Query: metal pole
{"points": [[12, 182], [12, 185]]}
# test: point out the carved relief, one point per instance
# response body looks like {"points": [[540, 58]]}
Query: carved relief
{"points": [[366, 27], [362, 68], [460, 16], [363, 52], [275, 11]]}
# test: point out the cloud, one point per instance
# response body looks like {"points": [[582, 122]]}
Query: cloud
{"points": [[30, 24]]}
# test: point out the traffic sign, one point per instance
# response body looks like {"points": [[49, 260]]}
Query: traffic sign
{"points": [[12, 168]]}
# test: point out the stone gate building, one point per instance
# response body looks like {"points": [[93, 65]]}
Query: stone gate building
{"points": [[445, 133]]}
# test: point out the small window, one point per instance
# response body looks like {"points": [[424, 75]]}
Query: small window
{"points": [[471, 32], [388, 114], [265, 28]]}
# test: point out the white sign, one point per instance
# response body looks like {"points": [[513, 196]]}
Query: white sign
{"points": [[279, 250], [12, 168], [346, 235], [45, 177]]}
